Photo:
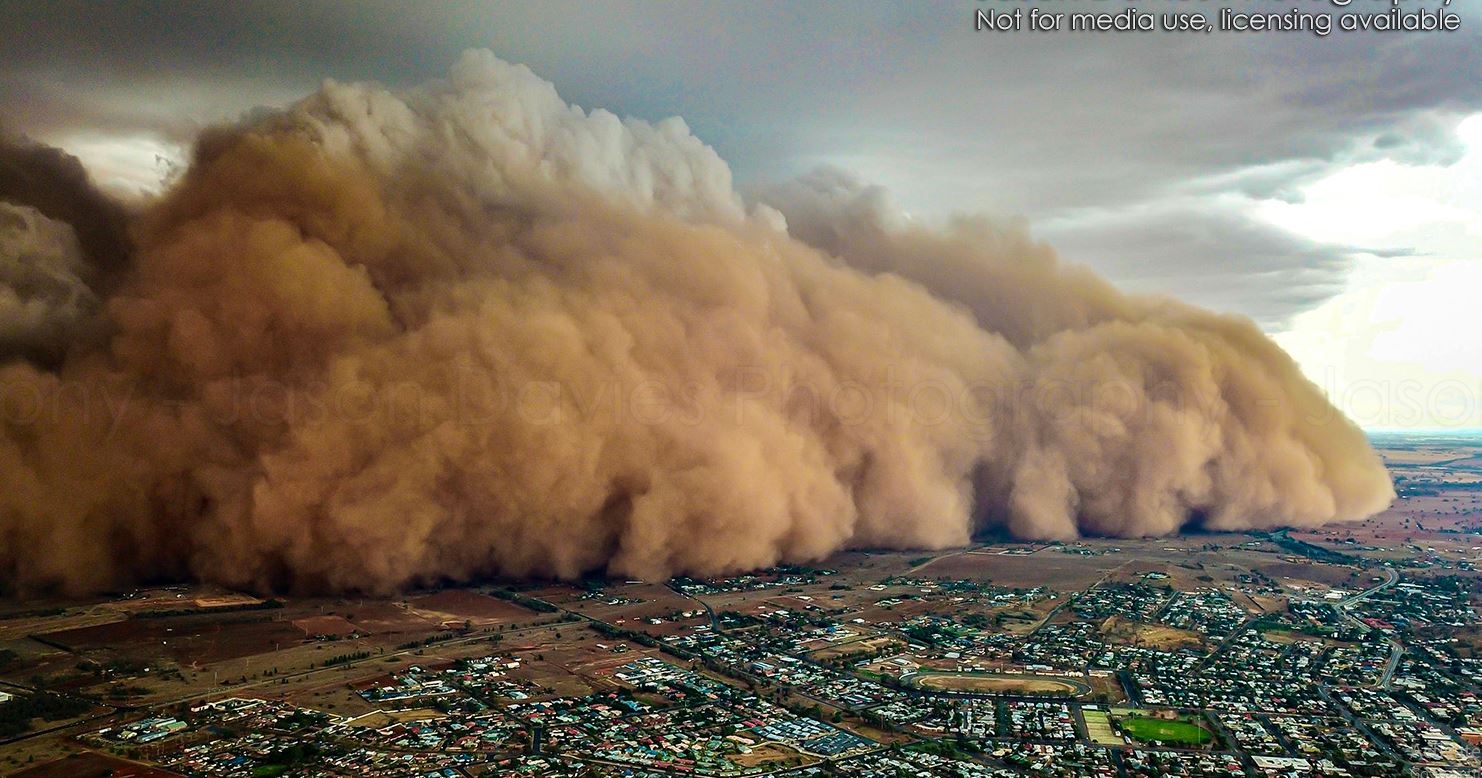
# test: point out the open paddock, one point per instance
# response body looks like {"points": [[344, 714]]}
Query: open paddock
{"points": [[998, 683], [188, 641], [89, 764], [462, 604]]}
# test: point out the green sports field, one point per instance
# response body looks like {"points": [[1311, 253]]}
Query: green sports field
{"points": [[1175, 733]]}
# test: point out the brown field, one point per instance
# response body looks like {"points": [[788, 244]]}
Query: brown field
{"points": [[333, 694], [17, 627], [461, 604], [893, 613], [1108, 686], [1062, 571], [93, 765], [571, 665], [1157, 636], [325, 625], [1424, 456], [225, 600], [1021, 620], [415, 714], [1309, 574], [772, 754], [33, 659], [997, 684], [657, 601], [187, 640], [1262, 604], [1287, 637], [389, 621], [1189, 565], [1469, 644], [865, 645]]}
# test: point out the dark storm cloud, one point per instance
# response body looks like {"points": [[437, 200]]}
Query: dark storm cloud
{"points": [[62, 246], [908, 95]]}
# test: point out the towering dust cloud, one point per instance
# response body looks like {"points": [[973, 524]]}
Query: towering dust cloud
{"points": [[382, 339]]}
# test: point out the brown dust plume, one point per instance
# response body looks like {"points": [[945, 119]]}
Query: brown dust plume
{"points": [[381, 339]]}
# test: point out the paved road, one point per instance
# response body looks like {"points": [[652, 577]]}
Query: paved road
{"points": [[1394, 578], [1074, 597], [1397, 649], [1360, 725], [709, 611]]}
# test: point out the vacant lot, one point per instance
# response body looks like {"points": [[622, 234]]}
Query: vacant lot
{"points": [[771, 755], [1060, 571], [325, 625], [1309, 574], [460, 604], [1118, 630], [864, 646]]}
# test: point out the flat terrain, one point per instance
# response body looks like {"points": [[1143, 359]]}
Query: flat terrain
{"points": [[1002, 643], [998, 684], [1166, 732], [1099, 728], [93, 765], [1119, 630]]}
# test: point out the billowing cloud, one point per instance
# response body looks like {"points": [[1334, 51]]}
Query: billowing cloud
{"points": [[908, 95], [61, 242], [42, 294], [384, 338]]}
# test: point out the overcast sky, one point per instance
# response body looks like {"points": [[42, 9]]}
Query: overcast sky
{"points": [[1330, 188]]}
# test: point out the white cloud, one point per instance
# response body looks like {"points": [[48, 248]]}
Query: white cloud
{"points": [[126, 166], [1400, 347]]}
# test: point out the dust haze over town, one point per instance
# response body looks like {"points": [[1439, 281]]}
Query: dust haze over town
{"points": [[452, 427]]}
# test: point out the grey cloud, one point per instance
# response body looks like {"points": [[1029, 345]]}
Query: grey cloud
{"points": [[1204, 249], [949, 119], [63, 245], [1209, 252], [1047, 121], [43, 296]]}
